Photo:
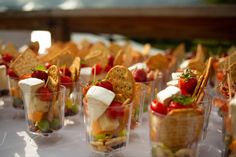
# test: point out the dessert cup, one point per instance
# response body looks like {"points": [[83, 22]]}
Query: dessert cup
{"points": [[15, 93], [106, 135], [72, 98], [175, 135], [138, 102], [44, 117]]}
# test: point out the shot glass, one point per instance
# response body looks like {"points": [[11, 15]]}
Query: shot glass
{"points": [[44, 117], [138, 103], [107, 135], [15, 93], [151, 88], [175, 135], [73, 98]]}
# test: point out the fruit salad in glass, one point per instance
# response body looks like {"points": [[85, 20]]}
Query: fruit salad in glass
{"points": [[43, 101], [178, 116], [107, 111], [73, 93]]}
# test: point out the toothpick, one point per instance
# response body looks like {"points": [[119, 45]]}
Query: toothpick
{"points": [[229, 79], [126, 102], [94, 74]]}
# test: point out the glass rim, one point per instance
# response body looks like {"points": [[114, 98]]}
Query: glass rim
{"points": [[164, 116], [61, 90]]}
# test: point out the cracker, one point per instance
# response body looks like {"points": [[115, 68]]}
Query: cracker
{"points": [[146, 49], [10, 49], [200, 55], [158, 61], [75, 69], [187, 112], [122, 80], [179, 52], [53, 78], [118, 60], [34, 46], [205, 79], [232, 69], [98, 54], [199, 82], [127, 55], [180, 128], [114, 49], [25, 62]]}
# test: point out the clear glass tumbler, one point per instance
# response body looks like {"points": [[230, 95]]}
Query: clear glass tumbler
{"points": [[44, 116], [105, 134], [73, 98], [175, 135]]}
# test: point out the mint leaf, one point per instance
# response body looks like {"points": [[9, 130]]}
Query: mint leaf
{"points": [[40, 68], [183, 100]]}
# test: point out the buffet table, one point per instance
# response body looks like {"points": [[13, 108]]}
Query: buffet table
{"points": [[15, 141]]}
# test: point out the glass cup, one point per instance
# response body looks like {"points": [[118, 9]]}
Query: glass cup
{"points": [[175, 135], [44, 116], [105, 134], [15, 93], [151, 88], [138, 102], [73, 98]]}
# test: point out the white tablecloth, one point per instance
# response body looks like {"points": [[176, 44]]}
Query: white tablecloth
{"points": [[15, 141]]}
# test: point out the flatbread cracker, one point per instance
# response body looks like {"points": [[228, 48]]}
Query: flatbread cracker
{"points": [[98, 54], [25, 62], [118, 60], [205, 79], [157, 62], [75, 69], [122, 80]]}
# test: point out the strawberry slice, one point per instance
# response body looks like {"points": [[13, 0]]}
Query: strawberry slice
{"points": [[65, 71], [44, 94], [66, 81], [40, 75], [98, 68], [115, 110], [105, 84], [47, 65], [187, 82], [12, 74], [7, 57], [180, 102], [139, 75], [158, 107]]}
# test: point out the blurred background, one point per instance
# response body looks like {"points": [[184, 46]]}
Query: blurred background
{"points": [[163, 23]]}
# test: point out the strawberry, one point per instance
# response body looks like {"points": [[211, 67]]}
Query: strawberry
{"points": [[115, 110], [44, 94], [12, 74], [139, 75], [47, 65], [7, 57], [40, 75], [105, 84], [180, 102], [65, 71], [111, 60], [158, 107], [108, 67], [66, 81], [187, 83], [98, 68]]}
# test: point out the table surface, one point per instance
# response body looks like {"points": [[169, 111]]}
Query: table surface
{"points": [[15, 141]]}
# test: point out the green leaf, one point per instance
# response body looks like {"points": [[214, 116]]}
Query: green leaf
{"points": [[40, 68], [183, 100]]}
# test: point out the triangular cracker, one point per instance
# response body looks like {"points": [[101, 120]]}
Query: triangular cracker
{"points": [[25, 62]]}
